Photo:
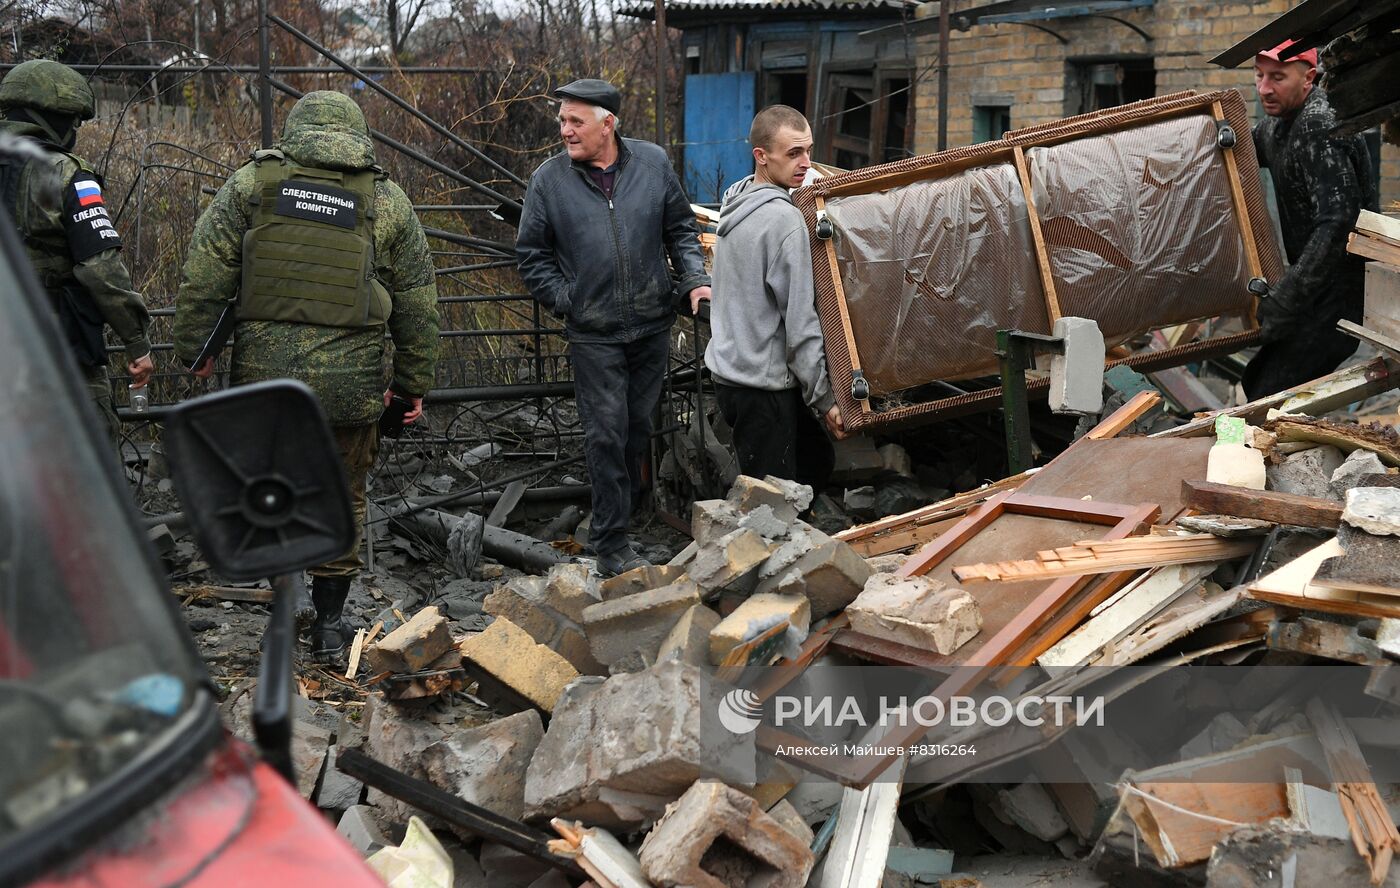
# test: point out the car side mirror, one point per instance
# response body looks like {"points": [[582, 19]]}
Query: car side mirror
{"points": [[260, 480]]}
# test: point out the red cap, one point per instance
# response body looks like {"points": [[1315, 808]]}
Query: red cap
{"points": [[1310, 56]]}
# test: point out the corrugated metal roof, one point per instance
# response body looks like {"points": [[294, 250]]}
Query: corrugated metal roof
{"points": [[648, 10]]}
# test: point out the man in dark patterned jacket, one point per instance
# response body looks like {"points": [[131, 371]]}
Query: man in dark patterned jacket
{"points": [[1322, 183]]}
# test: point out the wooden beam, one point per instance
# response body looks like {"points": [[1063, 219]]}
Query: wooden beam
{"points": [[1042, 254], [1113, 425], [841, 305], [1265, 505], [1372, 830], [1251, 248]]}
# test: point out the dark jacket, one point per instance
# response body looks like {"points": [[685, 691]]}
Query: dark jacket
{"points": [[600, 264], [1321, 183]]}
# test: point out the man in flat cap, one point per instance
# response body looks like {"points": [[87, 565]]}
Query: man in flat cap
{"points": [[1322, 182], [599, 221]]}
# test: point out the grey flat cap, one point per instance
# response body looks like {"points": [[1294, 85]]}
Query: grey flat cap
{"points": [[594, 92]]}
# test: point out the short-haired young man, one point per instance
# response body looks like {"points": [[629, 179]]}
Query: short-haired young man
{"points": [[765, 352]]}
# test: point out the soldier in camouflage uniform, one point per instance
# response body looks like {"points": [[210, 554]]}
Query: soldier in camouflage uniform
{"points": [[333, 254], [55, 200], [1322, 183]]}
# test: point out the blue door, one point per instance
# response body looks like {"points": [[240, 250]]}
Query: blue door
{"points": [[718, 111]]}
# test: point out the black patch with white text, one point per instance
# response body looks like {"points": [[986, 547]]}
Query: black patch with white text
{"points": [[85, 220], [317, 203]]}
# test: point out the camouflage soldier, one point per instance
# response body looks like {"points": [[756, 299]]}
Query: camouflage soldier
{"points": [[55, 200], [1322, 183], [321, 251]]}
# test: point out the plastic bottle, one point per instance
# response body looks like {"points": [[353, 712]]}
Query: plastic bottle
{"points": [[136, 395]]}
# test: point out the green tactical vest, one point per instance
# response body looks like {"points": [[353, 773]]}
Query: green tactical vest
{"points": [[309, 256], [48, 250]]}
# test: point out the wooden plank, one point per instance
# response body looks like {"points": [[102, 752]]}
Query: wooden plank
{"points": [[1373, 248], [1132, 410], [1141, 603], [226, 593], [1142, 557], [1251, 248], [1182, 822], [865, 821], [1042, 254], [1379, 225], [1324, 638], [1380, 340], [939, 549], [1373, 832], [1292, 585], [1326, 393], [1068, 617], [1265, 505], [841, 305]]}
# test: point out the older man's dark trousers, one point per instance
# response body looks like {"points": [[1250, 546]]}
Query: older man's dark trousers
{"points": [[776, 434], [616, 385]]}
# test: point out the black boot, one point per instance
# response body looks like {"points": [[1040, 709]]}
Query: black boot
{"points": [[328, 630], [303, 609]]}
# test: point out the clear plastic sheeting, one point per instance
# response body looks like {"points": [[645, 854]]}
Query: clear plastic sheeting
{"points": [[1140, 226], [931, 270]]}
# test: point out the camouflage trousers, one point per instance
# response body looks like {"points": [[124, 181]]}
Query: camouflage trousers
{"points": [[100, 393], [358, 445]]}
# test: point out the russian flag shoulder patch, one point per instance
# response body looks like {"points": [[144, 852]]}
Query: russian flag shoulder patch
{"points": [[89, 192]]}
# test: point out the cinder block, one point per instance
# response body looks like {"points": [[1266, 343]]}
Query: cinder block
{"points": [[512, 657], [799, 496], [641, 579], [361, 830], [802, 538], [573, 646], [731, 560], [831, 576], [755, 615], [616, 751], [522, 601], [570, 588], [689, 640], [413, 645], [715, 836], [638, 622], [749, 493], [712, 519], [916, 611], [763, 521], [486, 765]]}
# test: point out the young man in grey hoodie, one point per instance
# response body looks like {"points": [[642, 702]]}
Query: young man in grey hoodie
{"points": [[765, 351]]}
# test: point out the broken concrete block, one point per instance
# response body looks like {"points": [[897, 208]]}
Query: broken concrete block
{"points": [[395, 737], [570, 589], [762, 521], [412, 646], [338, 791], [1306, 473], [712, 519], [828, 516], [715, 836], [790, 820], [309, 744], [689, 640], [641, 579], [361, 830], [756, 615], [799, 496], [1030, 807], [916, 611], [749, 493], [831, 576], [162, 540], [486, 765], [522, 601], [637, 623], [1273, 855], [617, 751], [730, 560], [1375, 510], [1224, 733], [1353, 470], [802, 538], [513, 658], [896, 459], [895, 495]]}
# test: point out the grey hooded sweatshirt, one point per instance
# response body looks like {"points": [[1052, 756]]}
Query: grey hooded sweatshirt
{"points": [[763, 312]]}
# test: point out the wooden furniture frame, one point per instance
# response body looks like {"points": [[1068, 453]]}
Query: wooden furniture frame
{"points": [[1011, 645], [1260, 249]]}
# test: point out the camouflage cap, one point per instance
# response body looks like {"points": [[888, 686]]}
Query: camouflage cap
{"points": [[327, 128], [48, 86]]}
